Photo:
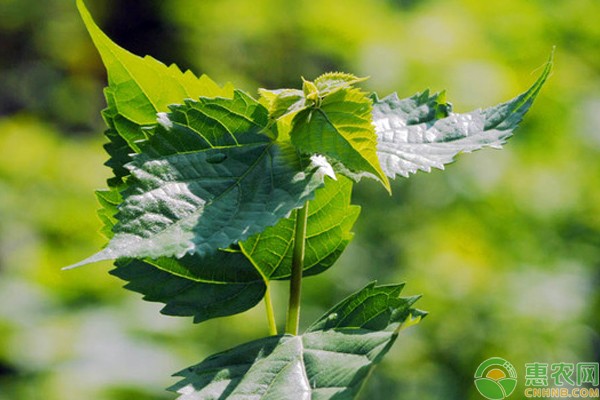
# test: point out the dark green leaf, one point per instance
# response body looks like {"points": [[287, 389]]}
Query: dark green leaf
{"points": [[330, 361], [419, 133], [186, 297], [232, 271], [207, 178], [222, 284]]}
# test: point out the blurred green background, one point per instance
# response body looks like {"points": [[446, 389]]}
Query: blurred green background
{"points": [[504, 245]]}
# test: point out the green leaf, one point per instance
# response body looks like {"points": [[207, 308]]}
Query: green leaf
{"points": [[282, 102], [420, 132], [144, 86], [340, 128], [331, 82], [330, 218], [109, 200], [235, 285], [228, 282], [330, 361], [138, 89], [329, 118], [219, 285], [285, 102], [208, 178]]}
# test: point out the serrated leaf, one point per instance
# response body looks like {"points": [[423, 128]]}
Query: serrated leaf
{"points": [[219, 285], [186, 297], [331, 82], [206, 179], [144, 86], [236, 272], [330, 361], [229, 281], [340, 128], [109, 200], [330, 218], [420, 133], [138, 89], [282, 102]]}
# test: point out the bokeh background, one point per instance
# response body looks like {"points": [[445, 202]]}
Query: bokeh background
{"points": [[504, 245]]}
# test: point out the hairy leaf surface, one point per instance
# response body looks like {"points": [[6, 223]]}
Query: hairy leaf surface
{"points": [[419, 133], [330, 361]]}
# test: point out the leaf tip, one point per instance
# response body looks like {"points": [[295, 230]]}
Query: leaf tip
{"points": [[410, 320], [100, 256], [385, 181]]}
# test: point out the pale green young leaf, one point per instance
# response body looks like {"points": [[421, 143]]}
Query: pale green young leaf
{"points": [[341, 128], [138, 89], [282, 102], [208, 178], [331, 82], [330, 361], [330, 218], [144, 86], [420, 133]]}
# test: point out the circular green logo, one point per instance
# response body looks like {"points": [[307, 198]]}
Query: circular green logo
{"points": [[496, 378]]}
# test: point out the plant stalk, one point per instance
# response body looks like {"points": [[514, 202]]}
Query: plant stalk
{"points": [[270, 313], [293, 316]]}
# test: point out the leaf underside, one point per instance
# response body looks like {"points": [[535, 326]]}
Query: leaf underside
{"points": [[412, 133], [329, 361]]}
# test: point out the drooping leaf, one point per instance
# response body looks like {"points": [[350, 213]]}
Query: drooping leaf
{"points": [[420, 132], [330, 361], [207, 178], [330, 218], [340, 127]]}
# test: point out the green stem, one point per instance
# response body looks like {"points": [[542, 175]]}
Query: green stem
{"points": [[293, 316], [270, 313]]}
